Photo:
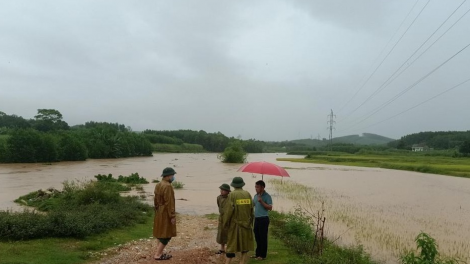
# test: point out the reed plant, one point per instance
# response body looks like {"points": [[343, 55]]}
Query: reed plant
{"points": [[177, 185]]}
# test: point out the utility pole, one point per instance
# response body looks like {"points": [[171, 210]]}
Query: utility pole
{"points": [[331, 123]]}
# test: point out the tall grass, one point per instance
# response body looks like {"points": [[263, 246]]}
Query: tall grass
{"points": [[295, 229]]}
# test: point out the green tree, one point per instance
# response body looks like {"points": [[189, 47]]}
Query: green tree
{"points": [[234, 153], [48, 151], [49, 119], [72, 148], [13, 121], [4, 154], [465, 148], [23, 144]]}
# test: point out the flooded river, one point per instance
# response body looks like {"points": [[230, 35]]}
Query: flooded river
{"points": [[381, 209]]}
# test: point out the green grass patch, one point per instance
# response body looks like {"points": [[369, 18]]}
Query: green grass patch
{"points": [[279, 253], [68, 250], [212, 216], [443, 165]]}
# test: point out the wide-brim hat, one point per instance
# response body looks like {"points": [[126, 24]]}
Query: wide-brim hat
{"points": [[168, 171], [237, 182], [225, 187]]}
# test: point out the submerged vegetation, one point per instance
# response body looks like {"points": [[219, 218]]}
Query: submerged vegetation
{"points": [[420, 162], [134, 178], [177, 185], [367, 226], [234, 153], [79, 210]]}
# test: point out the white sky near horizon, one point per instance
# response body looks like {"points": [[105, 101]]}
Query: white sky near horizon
{"points": [[269, 70]]}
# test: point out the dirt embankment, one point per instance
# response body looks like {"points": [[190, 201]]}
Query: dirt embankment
{"points": [[194, 244]]}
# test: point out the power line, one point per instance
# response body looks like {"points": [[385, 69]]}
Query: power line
{"points": [[448, 90], [432, 44], [409, 87], [417, 16], [380, 54], [383, 86]]}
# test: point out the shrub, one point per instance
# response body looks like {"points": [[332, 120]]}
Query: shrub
{"points": [[177, 185], [234, 153], [428, 252], [134, 178]]}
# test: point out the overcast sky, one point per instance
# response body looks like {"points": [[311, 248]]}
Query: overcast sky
{"points": [[270, 70]]}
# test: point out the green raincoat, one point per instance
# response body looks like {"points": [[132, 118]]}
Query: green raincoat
{"points": [[238, 217], [221, 230], [164, 202]]}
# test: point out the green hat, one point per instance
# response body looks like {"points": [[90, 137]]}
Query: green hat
{"points": [[225, 187], [238, 182], [168, 171]]}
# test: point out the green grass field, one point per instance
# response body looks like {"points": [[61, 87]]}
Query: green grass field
{"points": [[459, 167], [66, 250]]}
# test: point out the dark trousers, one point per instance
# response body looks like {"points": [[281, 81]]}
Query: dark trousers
{"points": [[261, 235]]}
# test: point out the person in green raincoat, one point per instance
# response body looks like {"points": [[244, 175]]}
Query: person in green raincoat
{"points": [[238, 218], [164, 223], [221, 230]]}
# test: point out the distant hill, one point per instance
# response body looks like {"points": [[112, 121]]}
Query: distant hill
{"points": [[364, 139], [433, 139]]}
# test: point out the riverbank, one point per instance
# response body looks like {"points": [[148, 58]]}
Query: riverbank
{"points": [[442, 165], [195, 244]]}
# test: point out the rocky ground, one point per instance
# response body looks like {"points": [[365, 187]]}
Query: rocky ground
{"points": [[194, 244]]}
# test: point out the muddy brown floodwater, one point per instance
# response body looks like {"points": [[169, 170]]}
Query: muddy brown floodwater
{"points": [[381, 209]]}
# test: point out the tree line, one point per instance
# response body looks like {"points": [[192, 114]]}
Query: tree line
{"points": [[47, 138], [213, 142]]}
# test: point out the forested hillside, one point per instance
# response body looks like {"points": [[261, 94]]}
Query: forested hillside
{"points": [[435, 140]]}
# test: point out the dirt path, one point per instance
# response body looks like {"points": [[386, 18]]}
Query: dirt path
{"points": [[195, 244]]}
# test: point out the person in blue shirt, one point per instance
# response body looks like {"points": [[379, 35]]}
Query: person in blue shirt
{"points": [[263, 204]]}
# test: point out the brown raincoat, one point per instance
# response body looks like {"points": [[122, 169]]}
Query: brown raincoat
{"points": [[164, 202], [221, 230], [238, 217]]}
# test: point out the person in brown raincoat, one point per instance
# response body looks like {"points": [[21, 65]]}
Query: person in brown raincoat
{"points": [[221, 230], [238, 217], [164, 223]]}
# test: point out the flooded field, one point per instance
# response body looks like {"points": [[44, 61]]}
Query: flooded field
{"points": [[382, 209]]}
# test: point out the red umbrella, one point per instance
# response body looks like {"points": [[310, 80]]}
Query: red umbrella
{"points": [[263, 167]]}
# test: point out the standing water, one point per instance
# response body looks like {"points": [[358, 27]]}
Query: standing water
{"points": [[384, 210]]}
